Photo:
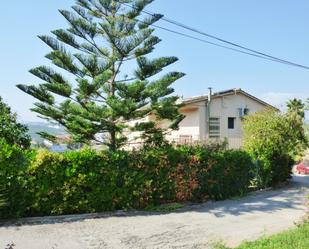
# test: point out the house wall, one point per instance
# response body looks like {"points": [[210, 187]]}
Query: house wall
{"points": [[134, 140], [196, 122], [190, 125], [194, 127], [227, 106]]}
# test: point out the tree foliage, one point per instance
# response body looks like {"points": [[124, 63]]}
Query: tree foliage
{"points": [[297, 107], [296, 114], [274, 140], [11, 130], [14, 160], [104, 40]]}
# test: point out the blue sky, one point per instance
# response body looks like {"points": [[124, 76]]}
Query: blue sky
{"points": [[277, 27]]}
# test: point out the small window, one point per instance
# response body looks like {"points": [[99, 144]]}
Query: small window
{"points": [[231, 123]]}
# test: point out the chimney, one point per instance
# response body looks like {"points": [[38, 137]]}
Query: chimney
{"points": [[209, 94]]}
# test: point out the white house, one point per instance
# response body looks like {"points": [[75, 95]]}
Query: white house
{"points": [[216, 116], [208, 118]]}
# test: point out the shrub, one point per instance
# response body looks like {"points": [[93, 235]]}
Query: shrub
{"points": [[78, 182], [2, 200], [222, 174], [87, 181], [13, 165], [11, 131], [272, 141]]}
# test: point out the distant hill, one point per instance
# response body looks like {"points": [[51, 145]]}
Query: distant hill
{"points": [[35, 127]]}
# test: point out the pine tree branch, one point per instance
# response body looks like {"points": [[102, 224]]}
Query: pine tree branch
{"points": [[101, 96], [117, 70], [126, 80]]}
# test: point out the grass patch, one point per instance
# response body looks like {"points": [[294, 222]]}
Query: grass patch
{"points": [[296, 238], [165, 208]]}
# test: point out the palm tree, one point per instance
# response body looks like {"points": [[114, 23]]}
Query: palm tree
{"points": [[296, 106]]}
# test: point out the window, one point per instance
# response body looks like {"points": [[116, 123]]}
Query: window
{"points": [[231, 123], [214, 128]]}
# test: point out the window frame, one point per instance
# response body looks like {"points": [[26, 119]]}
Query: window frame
{"points": [[214, 128], [229, 120]]}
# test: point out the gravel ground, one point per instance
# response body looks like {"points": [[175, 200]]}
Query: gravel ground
{"points": [[231, 221]]}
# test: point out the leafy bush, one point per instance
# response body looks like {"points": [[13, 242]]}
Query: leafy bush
{"points": [[45, 183], [11, 131], [14, 163], [87, 181], [2, 200], [222, 174], [273, 140]]}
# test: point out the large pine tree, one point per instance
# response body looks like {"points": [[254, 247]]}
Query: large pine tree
{"points": [[104, 40]]}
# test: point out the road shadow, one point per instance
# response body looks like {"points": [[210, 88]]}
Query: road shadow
{"points": [[292, 196]]}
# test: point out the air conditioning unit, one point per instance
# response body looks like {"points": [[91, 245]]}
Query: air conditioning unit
{"points": [[243, 112]]}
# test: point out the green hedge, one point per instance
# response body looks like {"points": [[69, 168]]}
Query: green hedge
{"points": [[14, 163], [87, 181]]}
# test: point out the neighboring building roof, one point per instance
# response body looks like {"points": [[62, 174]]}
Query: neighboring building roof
{"points": [[225, 93], [63, 138]]}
